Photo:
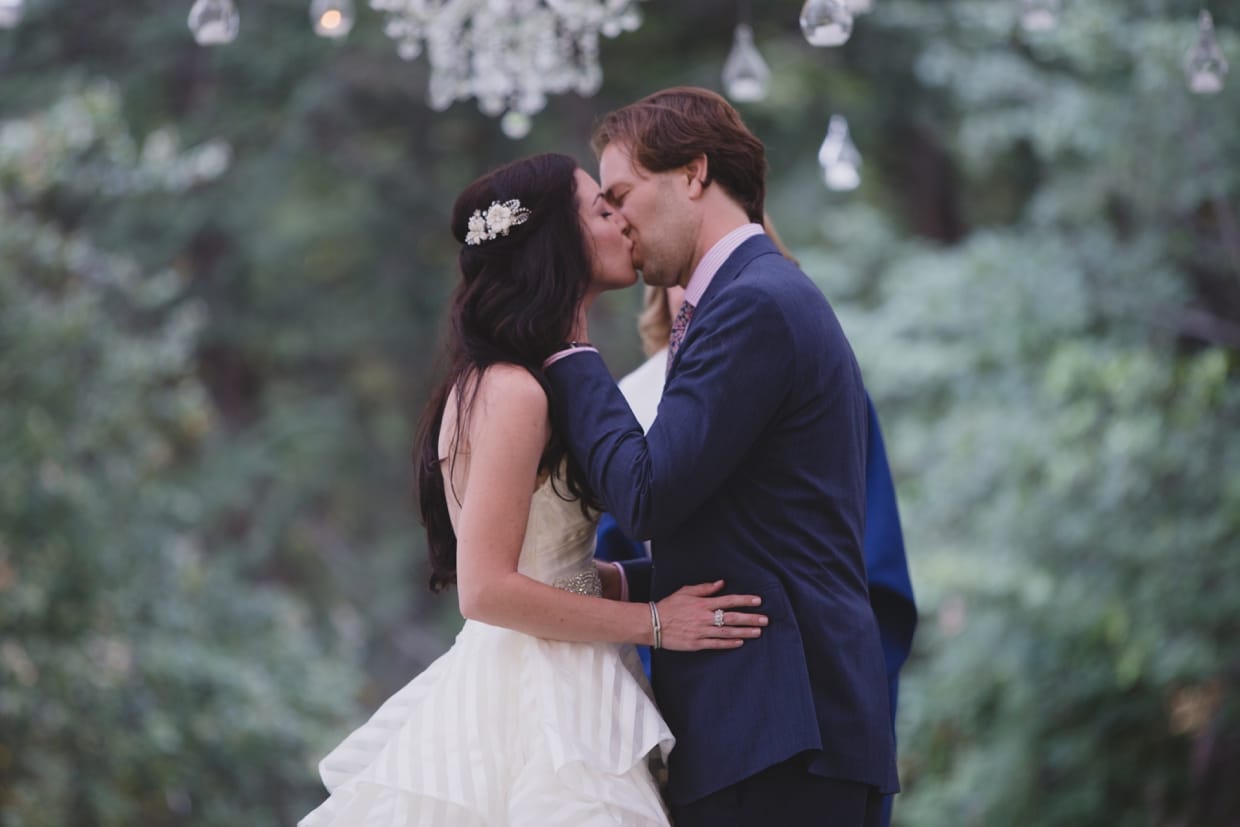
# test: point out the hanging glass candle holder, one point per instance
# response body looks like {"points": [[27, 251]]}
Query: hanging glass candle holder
{"points": [[746, 77], [826, 22], [859, 7], [1039, 15], [1204, 65], [332, 18], [11, 13], [838, 155], [214, 22]]}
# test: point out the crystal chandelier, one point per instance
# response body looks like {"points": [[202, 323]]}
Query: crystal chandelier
{"points": [[508, 54]]}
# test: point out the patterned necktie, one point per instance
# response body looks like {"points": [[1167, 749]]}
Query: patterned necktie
{"points": [[679, 325]]}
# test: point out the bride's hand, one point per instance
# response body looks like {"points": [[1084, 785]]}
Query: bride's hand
{"points": [[688, 615]]}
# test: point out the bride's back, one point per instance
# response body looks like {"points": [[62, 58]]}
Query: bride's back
{"points": [[558, 545]]}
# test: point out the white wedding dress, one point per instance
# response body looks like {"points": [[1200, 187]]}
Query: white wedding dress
{"points": [[509, 729]]}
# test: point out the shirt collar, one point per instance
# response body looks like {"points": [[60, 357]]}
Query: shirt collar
{"points": [[705, 272]]}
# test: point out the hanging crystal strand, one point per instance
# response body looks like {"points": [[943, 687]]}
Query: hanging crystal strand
{"points": [[509, 55], [332, 18], [1039, 15], [826, 22], [838, 155], [214, 22], [11, 13], [746, 77], [515, 124], [1204, 64]]}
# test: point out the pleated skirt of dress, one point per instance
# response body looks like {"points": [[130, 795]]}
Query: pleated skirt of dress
{"points": [[506, 729]]}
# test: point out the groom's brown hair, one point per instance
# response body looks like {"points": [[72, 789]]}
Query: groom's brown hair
{"points": [[670, 128]]}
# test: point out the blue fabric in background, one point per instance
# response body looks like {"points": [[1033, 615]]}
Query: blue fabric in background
{"points": [[614, 547], [886, 568], [891, 589]]}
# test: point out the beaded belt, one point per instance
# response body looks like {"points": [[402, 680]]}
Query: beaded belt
{"points": [[586, 582]]}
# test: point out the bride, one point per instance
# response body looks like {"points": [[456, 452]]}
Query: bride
{"points": [[539, 713]]}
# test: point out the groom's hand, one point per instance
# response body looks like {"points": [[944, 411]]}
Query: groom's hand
{"points": [[693, 620]]}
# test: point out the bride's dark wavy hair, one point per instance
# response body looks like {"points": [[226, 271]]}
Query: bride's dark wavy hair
{"points": [[515, 304]]}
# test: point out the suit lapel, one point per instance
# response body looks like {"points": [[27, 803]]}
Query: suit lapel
{"points": [[735, 264]]}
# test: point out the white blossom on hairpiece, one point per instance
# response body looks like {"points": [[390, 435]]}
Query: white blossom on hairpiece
{"points": [[499, 218]]}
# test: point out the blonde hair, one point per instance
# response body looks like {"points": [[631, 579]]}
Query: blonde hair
{"points": [[769, 227], [654, 323]]}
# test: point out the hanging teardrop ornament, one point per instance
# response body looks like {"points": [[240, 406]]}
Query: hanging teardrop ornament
{"points": [[214, 22], [11, 12], [838, 155], [1039, 15], [332, 18], [746, 77], [826, 22], [1204, 64]]}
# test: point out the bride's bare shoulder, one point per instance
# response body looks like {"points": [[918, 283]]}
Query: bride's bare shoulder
{"points": [[511, 390]]}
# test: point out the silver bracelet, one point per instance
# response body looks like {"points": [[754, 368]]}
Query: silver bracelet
{"points": [[658, 627]]}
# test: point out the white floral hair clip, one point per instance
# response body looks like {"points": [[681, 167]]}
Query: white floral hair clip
{"points": [[498, 220]]}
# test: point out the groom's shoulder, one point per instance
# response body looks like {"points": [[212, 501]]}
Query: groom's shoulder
{"points": [[774, 279]]}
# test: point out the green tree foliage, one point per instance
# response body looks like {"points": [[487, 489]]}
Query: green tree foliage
{"points": [[1061, 386], [143, 679]]}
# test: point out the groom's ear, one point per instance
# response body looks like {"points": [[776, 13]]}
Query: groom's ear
{"points": [[697, 176]]}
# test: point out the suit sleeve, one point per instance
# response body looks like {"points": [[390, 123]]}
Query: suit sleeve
{"points": [[735, 370], [638, 573]]}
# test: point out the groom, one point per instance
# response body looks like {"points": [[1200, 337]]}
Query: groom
{"points": [[753, 473]]}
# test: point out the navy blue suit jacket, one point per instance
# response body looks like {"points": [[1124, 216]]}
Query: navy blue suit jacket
{"points": [[886, 564], [754, 473]]}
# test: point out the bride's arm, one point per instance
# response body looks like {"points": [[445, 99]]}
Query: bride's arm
{"points": [[508, 430]]}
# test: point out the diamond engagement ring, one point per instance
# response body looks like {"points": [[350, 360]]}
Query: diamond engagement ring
{"points": [[718, 617]]}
